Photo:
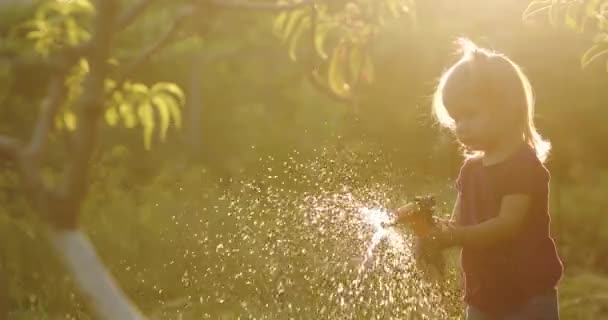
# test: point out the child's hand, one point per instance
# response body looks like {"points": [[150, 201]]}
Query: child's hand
{"points": [[406, 211], [402, 214]]}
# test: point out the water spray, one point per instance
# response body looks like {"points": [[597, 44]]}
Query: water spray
{"points": [[422, 222]]}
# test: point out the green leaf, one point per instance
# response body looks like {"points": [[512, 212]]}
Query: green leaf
{"points": [[55, 23], [72, 31], [146, 117], [109, 84], [591, 7], [176, 114], [292, 21], [34, 35], [164, 115], [174, 108], [138, 88], [172, 89], [113, 62], [111, 116], [571, 20], [393, 7], [126, 113], [335, 72], [84, 65], [83, 6], [117, 98], [536, 7], [69, 119], [321, 35], [83, 35], [593, 53], [279, 23], [66, 8], [293, 41]]}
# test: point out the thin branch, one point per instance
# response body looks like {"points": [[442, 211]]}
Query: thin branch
{"points": [[132, 13], [256, 5], [28, 157], [9, 147], [48, 110], [157, 46], [57, 62]]}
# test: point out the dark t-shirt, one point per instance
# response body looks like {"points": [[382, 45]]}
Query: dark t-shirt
{"points": [[502, 276]]}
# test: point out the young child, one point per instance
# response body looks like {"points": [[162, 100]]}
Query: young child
{"points": [[500, 220]]}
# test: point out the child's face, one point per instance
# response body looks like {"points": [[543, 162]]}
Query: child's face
{"points": [[477, 125]]}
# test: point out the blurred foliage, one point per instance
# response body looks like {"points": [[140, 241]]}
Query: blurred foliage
{"points": [[589, 16], [349, 27], [165, 97], [583, 296], [56, 24], [257, 103]]}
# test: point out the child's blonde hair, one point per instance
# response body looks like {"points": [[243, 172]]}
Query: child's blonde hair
{"points": [[494, 76]]}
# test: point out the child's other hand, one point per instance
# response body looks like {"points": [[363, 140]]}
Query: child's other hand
{"points": [[438, 239], [445, 224]]}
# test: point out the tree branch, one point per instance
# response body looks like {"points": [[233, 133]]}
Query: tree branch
{"points": [[256, 5], [154, 48], [131, 14], [79, 255], [57, 62], [9, 147], [48, 110], [89, 108], [28, 157]]}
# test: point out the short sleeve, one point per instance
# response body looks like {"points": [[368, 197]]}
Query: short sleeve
{"points": [[526, 176]]}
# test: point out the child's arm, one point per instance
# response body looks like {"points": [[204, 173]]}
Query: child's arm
{"points": [[455, 218], [513, 210]]}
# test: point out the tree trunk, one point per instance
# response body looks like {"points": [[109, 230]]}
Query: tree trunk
{"points": [[92, 277]]}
